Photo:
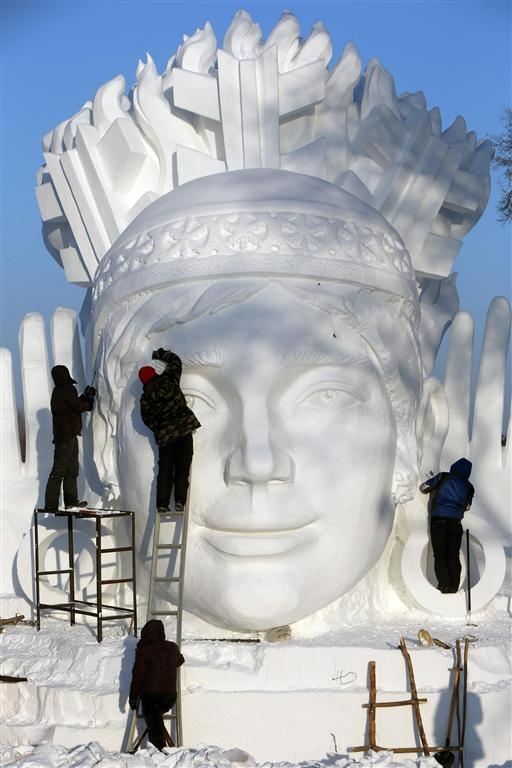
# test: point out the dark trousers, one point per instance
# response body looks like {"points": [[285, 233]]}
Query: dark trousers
{"points": [[63, 472], [174, 460], [154, 705], [446, 537]]}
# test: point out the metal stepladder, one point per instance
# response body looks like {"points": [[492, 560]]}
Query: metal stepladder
{"points": [[170, 555]]}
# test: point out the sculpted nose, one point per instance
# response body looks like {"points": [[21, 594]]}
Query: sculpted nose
{"points": [[246, 469], [258, 459]]}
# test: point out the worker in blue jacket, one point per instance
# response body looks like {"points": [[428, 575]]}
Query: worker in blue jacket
{"points": [[451, 495]]}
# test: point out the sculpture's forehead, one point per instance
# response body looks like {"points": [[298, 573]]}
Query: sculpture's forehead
{"points": [[271, 327]]}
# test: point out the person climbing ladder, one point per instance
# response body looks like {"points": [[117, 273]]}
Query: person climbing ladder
{"points": [[154, 679], [164, 410]]}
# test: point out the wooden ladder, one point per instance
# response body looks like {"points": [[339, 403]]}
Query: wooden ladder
{"points": [[173, 559], [413, 702]]}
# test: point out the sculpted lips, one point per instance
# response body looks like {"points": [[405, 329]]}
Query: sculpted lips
{"points": [[258, 543]]}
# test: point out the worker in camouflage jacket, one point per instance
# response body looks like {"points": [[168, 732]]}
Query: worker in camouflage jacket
{"points": [[164, 410]]}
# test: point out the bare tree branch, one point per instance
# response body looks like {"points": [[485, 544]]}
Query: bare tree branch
{"points": [[503, 161]]}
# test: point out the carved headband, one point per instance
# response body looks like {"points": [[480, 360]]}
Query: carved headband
{"points": [[261, 222]]}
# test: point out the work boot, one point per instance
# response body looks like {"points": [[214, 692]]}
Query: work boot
{"points": [[163, 510], [179, 507], [444, 758], [76, 505]]}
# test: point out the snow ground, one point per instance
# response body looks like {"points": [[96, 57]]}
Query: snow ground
{"points": [[61, 656], [88, 755], [66, 664]]}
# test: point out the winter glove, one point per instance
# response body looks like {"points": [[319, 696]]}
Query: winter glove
{"points": [[88, 396], [159, 366], [134, 703], [158, 354]]}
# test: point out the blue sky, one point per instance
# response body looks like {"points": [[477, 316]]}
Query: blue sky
{"points": [[55, 55]]}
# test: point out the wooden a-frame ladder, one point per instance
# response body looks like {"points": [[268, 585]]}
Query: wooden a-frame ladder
{"points": [[413, 702]]}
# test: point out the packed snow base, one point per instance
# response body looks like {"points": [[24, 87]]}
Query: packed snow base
{"points": [[249, 694]]}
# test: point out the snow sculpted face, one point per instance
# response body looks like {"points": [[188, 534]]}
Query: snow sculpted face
{"points": [[293, 465], [298, 337]]}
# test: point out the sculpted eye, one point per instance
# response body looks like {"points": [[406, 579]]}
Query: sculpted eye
{"points": [[331, 398], [199, 401]]}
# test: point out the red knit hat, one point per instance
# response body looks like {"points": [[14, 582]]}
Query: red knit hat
{"points": [[146, 373]]}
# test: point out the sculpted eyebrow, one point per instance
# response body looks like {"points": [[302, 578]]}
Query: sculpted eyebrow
{"points": [[308, 357], [198, 359]]}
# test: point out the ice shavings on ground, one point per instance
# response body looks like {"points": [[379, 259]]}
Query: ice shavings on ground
{"points": [[491, 629], [77, 688], [70, 657], [239, 656], [93, 754], [66, 657], [60, 656]]}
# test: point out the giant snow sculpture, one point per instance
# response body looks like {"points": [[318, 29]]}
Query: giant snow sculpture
{"points": [[289, 230]]}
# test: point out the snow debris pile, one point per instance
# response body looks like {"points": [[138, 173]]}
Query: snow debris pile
{"points": [[93, 754]]}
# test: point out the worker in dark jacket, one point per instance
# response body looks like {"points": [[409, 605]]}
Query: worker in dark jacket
{"points": [[451, 495], [165, 411], [154, 678], [67, 408]]}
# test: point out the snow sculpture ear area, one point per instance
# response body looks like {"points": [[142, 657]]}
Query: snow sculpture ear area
{"points": [[431, 426], [486, 585]]}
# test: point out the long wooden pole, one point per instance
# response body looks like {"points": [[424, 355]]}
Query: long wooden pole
{"points": [[455, 694], [402, 750], [468, 575], [464, 692], [414, 697], [371, 709], [457, 707]]}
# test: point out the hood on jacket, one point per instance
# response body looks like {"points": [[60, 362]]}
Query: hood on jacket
{"points": [[61, 375], [461, 467], [152, 631]]}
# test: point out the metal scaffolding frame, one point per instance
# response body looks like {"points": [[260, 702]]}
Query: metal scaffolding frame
{"points": [[85, 607]]}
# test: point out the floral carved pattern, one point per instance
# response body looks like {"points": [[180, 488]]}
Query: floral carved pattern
{"points": [[258, 234]]}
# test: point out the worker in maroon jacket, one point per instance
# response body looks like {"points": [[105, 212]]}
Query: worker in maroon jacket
{"points": [[154, 678]]}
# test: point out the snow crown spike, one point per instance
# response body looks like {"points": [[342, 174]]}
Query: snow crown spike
{"points": [[259, 104]]}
